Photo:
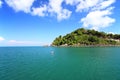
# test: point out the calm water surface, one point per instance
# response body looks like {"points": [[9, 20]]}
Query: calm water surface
{"points": [[52, 63]]}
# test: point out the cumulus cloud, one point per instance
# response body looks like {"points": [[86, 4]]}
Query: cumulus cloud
{"points": [[105, 4], [54, 8], [1, 38], [64, 14], [98, 11], [85, 5], [1, 3], [20, 5], [99, 16], [98, 19], [71, 2], [40, 11]]}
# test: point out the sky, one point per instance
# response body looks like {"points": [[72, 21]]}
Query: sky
{"points": [[39, 22]]}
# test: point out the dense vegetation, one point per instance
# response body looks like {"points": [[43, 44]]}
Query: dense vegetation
{"points": [[81, 37]]}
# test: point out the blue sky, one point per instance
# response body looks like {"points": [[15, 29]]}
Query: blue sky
{"points": [[39, 22]]}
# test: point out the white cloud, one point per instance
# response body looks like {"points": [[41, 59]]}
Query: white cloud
{"points": [[85, 5], [1, 38], [64, 14], [41, 11], [1, 3], [71, 2], [12, 41], [20, 5], [54, 8], [19, 42], [98, 19], [16, 42], [98, 10], [105, 4]]}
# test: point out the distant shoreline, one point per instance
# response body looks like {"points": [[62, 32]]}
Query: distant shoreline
{"points": [[87, 46]]}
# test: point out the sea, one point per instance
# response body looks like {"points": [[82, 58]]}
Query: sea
{"points": [[59, 63]]}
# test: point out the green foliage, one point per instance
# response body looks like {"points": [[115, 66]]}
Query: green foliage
{"points": [[87, 37]]}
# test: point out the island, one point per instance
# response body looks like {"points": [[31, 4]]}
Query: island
{"points": [[86, 37]]}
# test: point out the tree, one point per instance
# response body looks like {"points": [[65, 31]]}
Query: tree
{"points": [[86, 37]]}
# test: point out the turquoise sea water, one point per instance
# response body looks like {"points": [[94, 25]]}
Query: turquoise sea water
{"points": [[59, 63]]}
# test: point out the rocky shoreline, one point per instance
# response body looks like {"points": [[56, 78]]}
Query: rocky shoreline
{"points": [[86, 46]]}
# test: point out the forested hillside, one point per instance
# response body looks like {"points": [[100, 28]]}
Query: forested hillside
{"points": [[81, 37]]}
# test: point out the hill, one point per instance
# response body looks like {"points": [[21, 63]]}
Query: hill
{"points": [[84, 37]]}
